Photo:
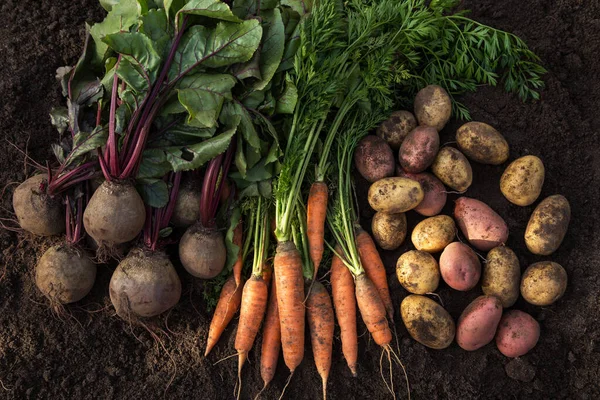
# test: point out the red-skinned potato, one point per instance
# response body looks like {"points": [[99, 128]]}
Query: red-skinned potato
{"points": [[460, 266], [518, 333], [419, 149], [481, 225], [477, 324], [434, 192], [374, 158]]}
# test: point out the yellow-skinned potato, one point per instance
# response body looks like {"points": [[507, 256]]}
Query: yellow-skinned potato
{"points": [[522, 181], [389, 230], [482, 143], [453, 169], [394, 129], [433, 106], [502, 275], [418, 272], [548, 225], [434, 234], [395, 195], [543, 283], [427, 321]]}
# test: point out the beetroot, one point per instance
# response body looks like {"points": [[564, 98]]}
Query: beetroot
{"points": [[144, 284], [37, 211], [65, 274], [115, 213]]}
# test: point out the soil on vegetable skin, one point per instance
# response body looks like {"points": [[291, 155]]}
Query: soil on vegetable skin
{"points": [[92, 354]]}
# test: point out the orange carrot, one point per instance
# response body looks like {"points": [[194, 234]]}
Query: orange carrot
{"points": [[372, 311], [271, 342], [252, 312], [290, 300], [316, 212], [267, 272], [344, 301], [371, 262], [228, 304], [321, 324], [239, 263]]}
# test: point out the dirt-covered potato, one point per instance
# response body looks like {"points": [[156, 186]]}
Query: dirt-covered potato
{"points": [[434, 234], [482, 143], [396, 127], [434, 192], [460, 267], [548, 225], [518, 333], [522, 181], [453, 169], [543, 283], [482, 227], [427, 321], [477, 324], [389, 230], [419, 149], [374, 158], [418, 272], [395, 195], [502, 275], [433, 106]]}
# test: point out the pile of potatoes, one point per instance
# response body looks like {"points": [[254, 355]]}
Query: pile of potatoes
{"points": [[401, 184]]}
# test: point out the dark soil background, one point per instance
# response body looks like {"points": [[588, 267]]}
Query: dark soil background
{"points": [[90, 353]]}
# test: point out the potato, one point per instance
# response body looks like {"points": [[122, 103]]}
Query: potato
{"points": [[433, 107], [543, 283], [453, 169], [460, 267], [482, 143], [419, 149], [548, 225], [517, 334], [374, 159], [434, 233], [482, 227], [418, 272], [427, 321], [434, 192], [395, 195], [502, 275], [477, 324], [522, 181], [396, 127], [389, 230]]}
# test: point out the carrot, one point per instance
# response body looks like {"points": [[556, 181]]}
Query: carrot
{"points": [[267, 272], [371, 262], [290, 297], [252, 312], [372, 311], [315, 220], [228, 304], [271, 342], [239, 263], [344, 301], [321, 324]]}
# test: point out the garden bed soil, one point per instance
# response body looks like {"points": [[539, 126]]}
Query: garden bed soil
{"points": [[89, 353]]}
